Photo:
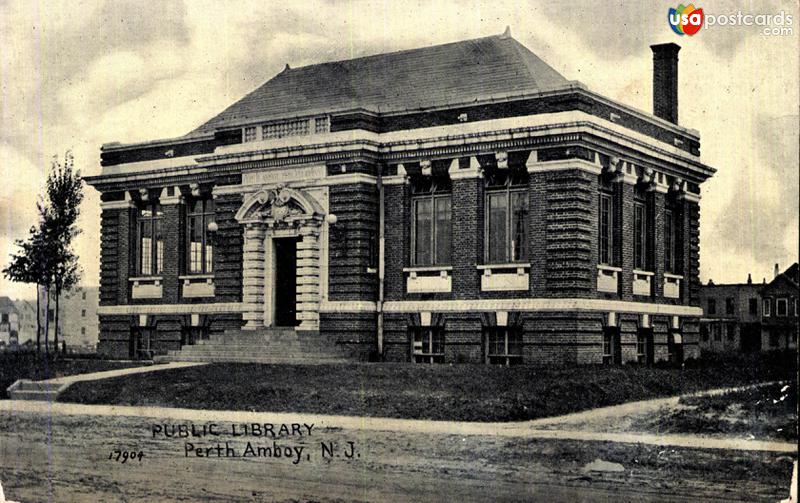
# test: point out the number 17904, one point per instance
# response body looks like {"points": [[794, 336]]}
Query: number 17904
{"points": [[124, 456]]}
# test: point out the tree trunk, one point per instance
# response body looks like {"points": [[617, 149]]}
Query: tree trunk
{"points": [[46, 321], [55, 335], [38, 320]]}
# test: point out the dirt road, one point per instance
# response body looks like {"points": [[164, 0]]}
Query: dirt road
{"points": [[66, 458]]}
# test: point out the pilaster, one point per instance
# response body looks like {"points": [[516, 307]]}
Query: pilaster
{"points": [[467, 231], [307, 300], [253, 276]]}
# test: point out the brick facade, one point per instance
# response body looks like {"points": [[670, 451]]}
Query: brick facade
{"points": [[325, 190]]}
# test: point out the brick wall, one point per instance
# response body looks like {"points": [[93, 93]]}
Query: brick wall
{"points": [[691, 241], [568, 338], [113, 257], [571, 234], [353, 334], [228, 249], [467, 237], [397, 236], [356, 208]]}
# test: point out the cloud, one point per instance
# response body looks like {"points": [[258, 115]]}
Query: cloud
{"points": [[78, 74]]}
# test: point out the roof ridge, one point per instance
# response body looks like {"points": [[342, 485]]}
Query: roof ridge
{"points": [[393, 53]]}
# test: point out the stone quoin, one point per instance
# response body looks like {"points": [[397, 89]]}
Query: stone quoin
{"points": [[456, 203]]}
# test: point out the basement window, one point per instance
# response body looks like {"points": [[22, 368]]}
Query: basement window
{"points": [[503, 345], [427, 344], [612, 352]]}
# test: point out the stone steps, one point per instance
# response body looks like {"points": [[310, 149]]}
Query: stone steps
{"points": [[24, 389], [272, 345], [251, 359]]}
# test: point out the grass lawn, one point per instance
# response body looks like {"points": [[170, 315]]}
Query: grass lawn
{"points": [[29, 365], [768, 412], [445, 392]]}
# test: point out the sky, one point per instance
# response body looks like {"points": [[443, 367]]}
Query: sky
{"points": [[76, 74]]}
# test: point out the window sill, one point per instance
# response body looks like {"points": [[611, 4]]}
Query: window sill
{"points": [[198, 285], [608, 278], [436, 279], [196, 276], [643, 283], [428, 268], [504, 277], [672, 286], [509, 265], [146, 287], [142, 279]]}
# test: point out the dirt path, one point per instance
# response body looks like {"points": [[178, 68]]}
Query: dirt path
{"points": [[47, 455], [623, 418], [107, 374], [562, 428]]}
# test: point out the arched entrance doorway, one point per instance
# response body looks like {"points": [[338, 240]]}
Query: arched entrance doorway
{"points": [[281, 253]]}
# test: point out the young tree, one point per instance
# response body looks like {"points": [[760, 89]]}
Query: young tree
{"points": [[29, 266], [46, 257], [64, 193]]}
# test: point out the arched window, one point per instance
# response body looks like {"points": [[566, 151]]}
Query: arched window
{"points": [[506, 216]]}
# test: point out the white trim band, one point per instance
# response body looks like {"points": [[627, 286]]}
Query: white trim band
{"points": [[552, 305], [211, 308]]}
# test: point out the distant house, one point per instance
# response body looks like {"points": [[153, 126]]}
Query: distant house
{"points": [[9, 322], [732, 317], [27, 320], [78, 323], [747, 317], [779, 310]]}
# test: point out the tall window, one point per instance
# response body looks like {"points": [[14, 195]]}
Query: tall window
{"points": [[200, 258], [767, 309], [606, 231], [427, 344], [712, 306], [431, 232], [503, 345], [753, 305], [730, 307], [506, 217], [151, 240], [781, 307], [671, 241], [639, 236]]}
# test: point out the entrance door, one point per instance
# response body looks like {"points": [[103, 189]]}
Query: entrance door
{"points": [[285, 282]]}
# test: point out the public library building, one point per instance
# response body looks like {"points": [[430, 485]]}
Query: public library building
{"points": [[455, 203]]}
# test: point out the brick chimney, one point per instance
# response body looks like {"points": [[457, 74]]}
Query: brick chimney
{"points": [[777, 271], [665, 81]]}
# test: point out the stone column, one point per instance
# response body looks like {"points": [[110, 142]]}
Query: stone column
{"points": [[307, 300], [253, 276]]}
